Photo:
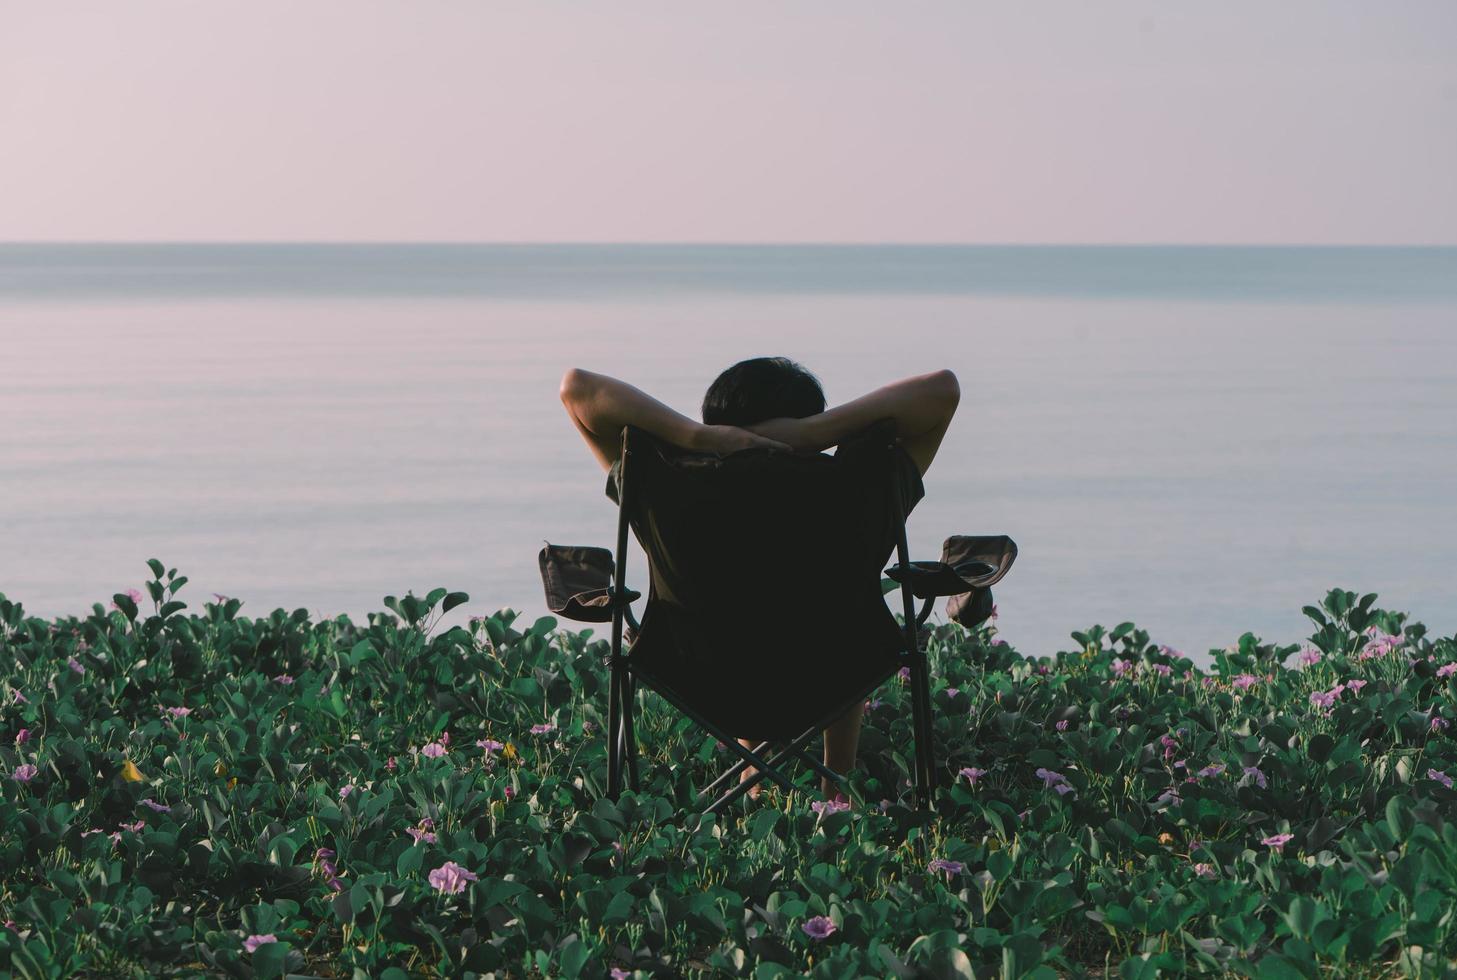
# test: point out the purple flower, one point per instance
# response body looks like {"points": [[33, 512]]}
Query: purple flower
{"points": [[949, 868], [1440, 777], [1054, 780], [1120, 666], [433, 751], [451, 878], [1277, 842], [1169, 797], [904, 674], [156, 807], [1355, 686], [1259, 777], [1309, 657], [820, 927], [22, 736], [19, 698], [951, 692], [179, 712], [1164, 670], [1322, 699], [972, 773], [618, 973], [872, 704], [135, 828], [827, 807], [220, 597], [543, 729], [1062, 725], [1211, 770], [1245, 681], [1170, 745], [424, 832], [283, 679], [1439, 723], [252, 943], [1063, 789], [24, 773], [489, 745], [75, 665], [1447, 670], [1204, 870], [346, 789]]}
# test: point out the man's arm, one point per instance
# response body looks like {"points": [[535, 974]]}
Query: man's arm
{"points": [[922, 408], [601, 406]]}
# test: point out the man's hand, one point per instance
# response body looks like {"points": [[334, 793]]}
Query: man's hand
{"points": [[725, 439], [794, 434]]}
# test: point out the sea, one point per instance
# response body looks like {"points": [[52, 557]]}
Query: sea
{"points": [[1200, 440]]}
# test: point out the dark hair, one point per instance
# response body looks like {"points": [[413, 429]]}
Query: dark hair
{"points": [[760, 389]]}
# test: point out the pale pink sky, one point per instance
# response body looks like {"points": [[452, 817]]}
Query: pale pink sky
{"points": [[1292, 121]]}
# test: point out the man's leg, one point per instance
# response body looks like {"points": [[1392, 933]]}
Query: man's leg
{"points": [[842, 738], [749, 771]]}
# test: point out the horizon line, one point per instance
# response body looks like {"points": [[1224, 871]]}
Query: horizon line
{"points": [[669, 243]]}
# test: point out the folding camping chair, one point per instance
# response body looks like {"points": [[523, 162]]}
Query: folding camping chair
{"points": [[766, 619]]}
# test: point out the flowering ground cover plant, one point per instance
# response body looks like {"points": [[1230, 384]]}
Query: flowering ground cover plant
{"points": [[224, 795]]}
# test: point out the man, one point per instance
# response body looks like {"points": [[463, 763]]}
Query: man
{"points": [[774, 403]]}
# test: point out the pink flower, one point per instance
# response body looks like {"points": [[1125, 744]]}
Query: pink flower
{"points": [[1164, 669], [1170, 745], [489, 745], [973, 774], [424, 832], [451, 878], [1447, 670], [433, 751], [1245, 681], [510, 793], [1440, 777], [951, 692], [75, 665], [283, 679], [22, 736], [993, 616], [24, 773], [1309, 657], [1054, 781], [827, 807], [1120, 666], [1277, 842], [543, 729], [1355, 686], [179, 712], [390, 764], [904, 674], [618, 973], [156, 807], [1439, 723], [949, 868], [346, 789], [19, 698], [1062, 725], [220, 597], [252, 943], [1259, 777], [135, 828], [820, 927], [1204, 870], [1212, 770], [1322, 699]]}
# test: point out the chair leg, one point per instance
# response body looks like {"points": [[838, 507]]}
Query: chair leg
{"points": [[629, 735], [926, 748], [614, 723]]}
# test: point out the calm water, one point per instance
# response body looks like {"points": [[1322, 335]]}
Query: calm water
{"points": [[1201, 440]]}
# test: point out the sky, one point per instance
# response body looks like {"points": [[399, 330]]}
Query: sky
{"points": [[1303, 121]]}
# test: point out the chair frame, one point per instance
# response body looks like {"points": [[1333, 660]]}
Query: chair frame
{"points": [[766, 760]]}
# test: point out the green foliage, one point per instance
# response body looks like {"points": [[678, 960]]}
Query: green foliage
{"points": [[201, 779]]}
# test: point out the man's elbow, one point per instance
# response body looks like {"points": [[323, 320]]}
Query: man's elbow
{"points": [[947, 390], [576, 384]]}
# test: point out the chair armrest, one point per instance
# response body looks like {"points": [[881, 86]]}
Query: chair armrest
{"points": [[578, 583], [970, 565]]}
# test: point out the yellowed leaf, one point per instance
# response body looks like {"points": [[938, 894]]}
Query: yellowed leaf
{"points": [[131, 773]]}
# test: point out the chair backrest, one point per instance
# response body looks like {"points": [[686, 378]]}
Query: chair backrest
{"points": [[765, 574]]}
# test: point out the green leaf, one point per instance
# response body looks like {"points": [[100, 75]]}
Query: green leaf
{"points": [[126, 605], [999, 863], [168, 608], [157, 568], [269, 959], [452, 600]]}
